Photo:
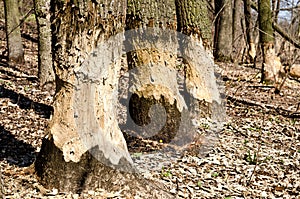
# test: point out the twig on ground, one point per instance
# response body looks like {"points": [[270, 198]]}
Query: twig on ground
{"points": [[237, 130], [267, 107]]}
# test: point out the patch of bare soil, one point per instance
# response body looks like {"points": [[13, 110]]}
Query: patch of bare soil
{"points": [[257, 154]]}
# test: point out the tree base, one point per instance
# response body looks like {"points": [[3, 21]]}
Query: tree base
{"points": [[89, 174]]}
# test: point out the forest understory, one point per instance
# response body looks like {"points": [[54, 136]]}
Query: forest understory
{"points": [[257, 154]]}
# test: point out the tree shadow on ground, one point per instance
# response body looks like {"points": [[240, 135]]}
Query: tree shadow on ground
{"points": [[4, 64], [25, 103], [14, 151]]}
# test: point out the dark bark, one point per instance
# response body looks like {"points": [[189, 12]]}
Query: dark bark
{"points": [[223, 30], [193, 19], [91, 174], [265, 22]]}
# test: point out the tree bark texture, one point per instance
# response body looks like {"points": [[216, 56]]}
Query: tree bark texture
{"points": [[13, 32], [237, 33], [42, 12], [193, 19], [223, 28]]}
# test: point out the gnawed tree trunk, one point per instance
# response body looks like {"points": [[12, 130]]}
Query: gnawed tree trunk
{"points": [[13, 32], [272, 69], [249, 32], [153, 62], [223, 30], [205, 100], [42, 12], [85, 149]]}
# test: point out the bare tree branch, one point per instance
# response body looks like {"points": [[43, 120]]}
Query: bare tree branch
{"points": [[278, 29], [286, 36], [288, 9]]}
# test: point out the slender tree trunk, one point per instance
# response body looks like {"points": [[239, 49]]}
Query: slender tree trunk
{"points": [[272, 69], [275, 9], [223, 33], [13, 32], [46, 73], [249, 32], [237, 33]]}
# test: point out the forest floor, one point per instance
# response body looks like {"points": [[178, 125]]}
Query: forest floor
{"points": [[257, 154]]}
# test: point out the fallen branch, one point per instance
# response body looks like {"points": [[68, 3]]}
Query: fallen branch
{"points": [[286, 36], [267, 107]]}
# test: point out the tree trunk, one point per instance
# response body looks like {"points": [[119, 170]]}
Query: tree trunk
{"points": [[193, 20], [275, 9], [223, 30], [84, 140], [46, 73], [153, 62], [237, 33], [249, 32], [272, 69], [13, 32], [157, 62], [204, 95]]}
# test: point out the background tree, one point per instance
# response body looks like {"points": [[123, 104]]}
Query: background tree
{"points": [[249, 32], [42, 13], [223, 30], [237, 30], [275, 10], [13, 33], [271, 69]]}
